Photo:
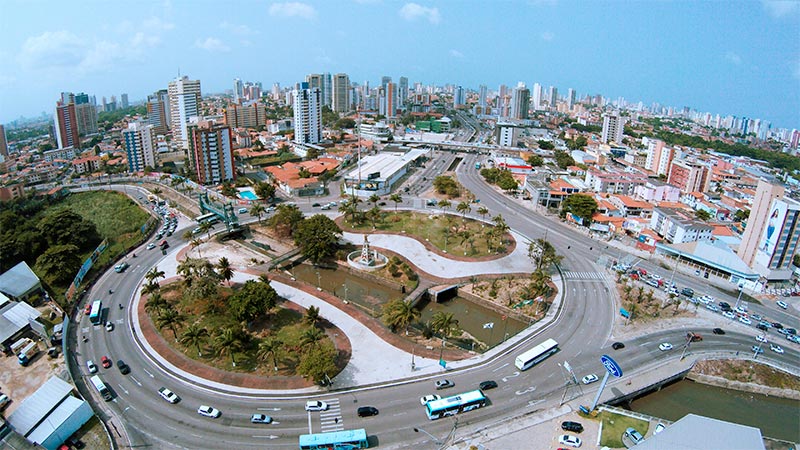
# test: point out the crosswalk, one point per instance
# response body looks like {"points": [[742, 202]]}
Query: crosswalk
{"points": [[331, 419], [596, 276]]}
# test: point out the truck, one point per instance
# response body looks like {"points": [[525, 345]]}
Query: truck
{"points": [[28, 353], [17, 347]]}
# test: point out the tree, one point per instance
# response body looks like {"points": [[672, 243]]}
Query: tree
{"points": [[265, 191], [253, 300], [543, 254], [374, 199], [397, 199], [225, 269], [311, 337], [350, 206], [563, 159], [483, 211], [581, 205], [151, 288], [317, 363], [228, 190], [399, 313], [59, 263], [206, 227], [703, 215], [257, 210], [344, 122], [446, 185], [64, 227], [196, 243], [285, 220], [317, 237], [154, 274], [741, 215], [545, 145], [444, 322], [535, 161], [194, 335], [312, 316], [444, 204], [269, 348], [155, 303], [463, 208], [170, 318], [227, 342], [374, 214]]}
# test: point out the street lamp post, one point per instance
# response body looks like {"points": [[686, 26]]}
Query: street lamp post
{"points": [[435, 440], [319, 281], [741, 289]]}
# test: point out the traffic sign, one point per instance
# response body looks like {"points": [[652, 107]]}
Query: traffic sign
{"points": [[443, 363], [611, 366]]}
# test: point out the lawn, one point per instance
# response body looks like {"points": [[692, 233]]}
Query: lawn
{"points": [[465, 236], [614, 425]]}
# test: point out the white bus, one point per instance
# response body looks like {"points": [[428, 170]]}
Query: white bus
{"points": [[450, 406], [536, 355], [101, 387], [210, 218]]}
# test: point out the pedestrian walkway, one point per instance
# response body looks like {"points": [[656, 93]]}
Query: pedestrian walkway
{"points": [[331, 419], [586, 276]]}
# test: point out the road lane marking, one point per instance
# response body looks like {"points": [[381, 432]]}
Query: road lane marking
{"points": [[495, 370]]}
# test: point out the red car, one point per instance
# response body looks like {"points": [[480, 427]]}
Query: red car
{"points": [[105, 362], [88, 309]]}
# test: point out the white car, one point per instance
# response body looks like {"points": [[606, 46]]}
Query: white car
{"points": [[655, 277], [664, 346], [745, 320], [151, 246], [776, 348], [659, 428], [729, 314], [429, 398], [91, 366], [316, 405], [568, 439], [782, 304], [4, 400], [589, 379], [707, 299], [208, 411], [168, 395], [109, 326], [761, 338], [740, 310]]}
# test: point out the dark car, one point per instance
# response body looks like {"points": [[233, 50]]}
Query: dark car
{"points": [[762, 326], [315, 205], [725, 306], [123, 367], [777, 325], [367, 411], [572, 426], [617, 345], [489, 384], [718, 331]]}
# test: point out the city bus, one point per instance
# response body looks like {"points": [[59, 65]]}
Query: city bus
{"points": [[536, 355], [101, 387], [450, 406], [210, 218], [96, 312], [346, 439]]}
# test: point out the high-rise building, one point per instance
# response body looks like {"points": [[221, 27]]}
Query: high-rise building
{"points": [[158, 111], [537, 96], [124, 100], [659, 156], [184, 102], [341, 93], [482, 93], [238, 90], [140, 146], [402, 92], [391, 99], [613, 127], [86, 115], [66, 126], [570, 98], [211, 152], [307, 114], [458, 96], [250, 115], [689, 176], [552, 97], [385, 80], [327, 89], [770, 240], [520, 101], [3, 141]]}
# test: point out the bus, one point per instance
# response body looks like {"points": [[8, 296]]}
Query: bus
{"points": [[536, 355], [96, 312], [101, 387], [346, 439], [450, 406], [210, 218]]}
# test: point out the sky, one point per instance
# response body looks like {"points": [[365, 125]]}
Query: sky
{"points": [[737, 58]]}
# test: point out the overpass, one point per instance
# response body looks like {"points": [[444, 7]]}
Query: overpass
{"points": [[471, 147]]}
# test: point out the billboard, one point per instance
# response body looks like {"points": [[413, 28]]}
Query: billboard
{"points": [[772, 232]]}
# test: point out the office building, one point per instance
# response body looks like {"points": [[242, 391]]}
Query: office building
{"points": [[520, 101], [3, 141], [184, 103], [613, 127], [689, 176], [570, 98], [249, 115], [307, 114], [341, 93], [552, 97], [124, 100], [158, 111], [770, 240], [66, 126], [482, 93], [537, 96], [211, 152], [458, 96], [402, 92], [238, 90], [140, 146]]}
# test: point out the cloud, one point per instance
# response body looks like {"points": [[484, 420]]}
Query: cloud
{"points": [[456, 54], [156, 24], [781, 8], [733, 58], [212, 45], [413, 11], [292, 9], [240, 30], [547, 36], [57, 49]]}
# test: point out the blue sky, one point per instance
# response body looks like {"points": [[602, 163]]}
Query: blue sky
{"points": [[740, 58]]}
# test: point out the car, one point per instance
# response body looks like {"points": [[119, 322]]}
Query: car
{"points": [[88, 309], [729, 315], [655, 277], [693, 337], [325, 207], [756, 317], [316, 405], [725, 306], [793, 338], [745, 320], [119, 268], [790, 331], [589, 379], [367, 411], [444, 384], [105, 362], [707, 299], [486, 385], [776, 348], [208, 411], [90, 365], [718, 331], [195, 231], [634, 435], [123, 368], [242, 210], [664, 346], [757, 349], [659, 428], [762, 327], [168, 395], [777, 325], [688, 292], [151, 246], [761, 338], [568, 439], [316, 205], [617, 345], [575, 427], [109, 326], [782, 304], [429, 398], [712, 307], [4, 401], [740, 310], [260, 418]]}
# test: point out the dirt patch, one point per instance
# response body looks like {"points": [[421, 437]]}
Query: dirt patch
{"points": [[747, 372]]}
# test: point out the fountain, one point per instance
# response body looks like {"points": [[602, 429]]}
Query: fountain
{"points": [[367, 259]]}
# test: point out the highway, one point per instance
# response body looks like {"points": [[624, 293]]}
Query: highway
{"points": [[582, 328]]}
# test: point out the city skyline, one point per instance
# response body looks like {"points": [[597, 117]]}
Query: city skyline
{"points": [[676, 54]]}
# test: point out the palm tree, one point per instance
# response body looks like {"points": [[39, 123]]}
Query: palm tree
{"points": [[156, 191], [399, 314], [195, 335], [154, 274], [374, 214], [196, 243], [151, 288], [396, 198], [188, 235], [312, 316], [227, 342], [463, 208], [225, 270], [170, 318], [155, 303], [311, 337], [374, 199], [264, 278], [269, 347], [350, 206], [444, 204], [206, 227], [257, 210], [443, 322], [483, 211]]}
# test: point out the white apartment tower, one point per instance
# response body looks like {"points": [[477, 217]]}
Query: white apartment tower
{"points": [[537, 96], [184, 103], [307, 114], [613, 127], [140, 146]]}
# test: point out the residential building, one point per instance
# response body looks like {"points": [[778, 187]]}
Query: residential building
{"points": [[657, 191], [613, 182], [659, 156], [552, 97], [537, 96], [341, 93], [458, 97], [238, 90], [250, 115], [689, 176], [676, 227], [211, 152], [520, 102], [140, 146], [570, 98], [184, 103], [66, 126], [613, 127], [158, 111], [3, 142], [506, 134], [86, 164], [124, 100], [402, 92], [65, 153], [631, 207], [307, 114]]}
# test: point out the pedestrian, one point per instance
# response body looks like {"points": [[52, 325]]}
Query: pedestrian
{"points": [[336, 420]]}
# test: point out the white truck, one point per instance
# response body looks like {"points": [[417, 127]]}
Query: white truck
{"points": [[28, 353]]}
